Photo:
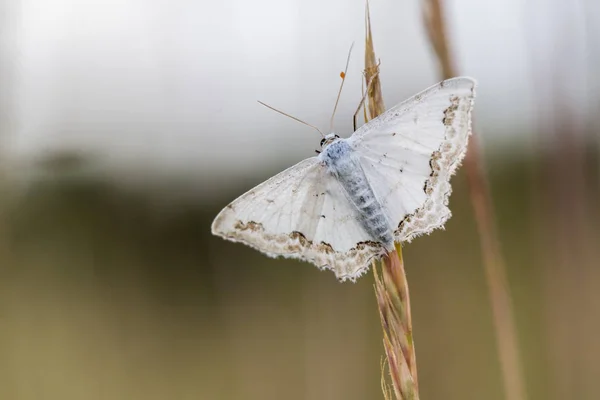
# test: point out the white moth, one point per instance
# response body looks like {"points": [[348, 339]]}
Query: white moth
{"points": [[388, 182]]}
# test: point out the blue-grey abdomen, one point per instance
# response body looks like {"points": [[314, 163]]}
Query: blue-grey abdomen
{"points": [[343, 163]]}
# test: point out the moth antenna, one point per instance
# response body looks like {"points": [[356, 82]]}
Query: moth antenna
{"points": [[343, 75], [294, 118]]}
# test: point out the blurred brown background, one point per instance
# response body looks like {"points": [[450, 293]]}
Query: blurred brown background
{"points": [[126, 126]]}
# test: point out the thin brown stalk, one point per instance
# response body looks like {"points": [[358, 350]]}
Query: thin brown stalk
{"points": [[393, 300], [391, 287], [483, 207], [375, 104]]}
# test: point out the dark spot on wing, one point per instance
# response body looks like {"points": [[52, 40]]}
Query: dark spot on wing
{"points": [[449, 113], [301, 238], [326, 247], [251, 226], [427, 188]]}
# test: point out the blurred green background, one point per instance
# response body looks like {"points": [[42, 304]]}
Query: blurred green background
{"points": [[126, 127], [106, 295]]}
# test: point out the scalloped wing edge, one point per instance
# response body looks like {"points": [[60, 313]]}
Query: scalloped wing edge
{"points": [[444, 162], [349, 265]]}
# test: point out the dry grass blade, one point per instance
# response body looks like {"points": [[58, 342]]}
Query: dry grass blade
{"points": [[375, 104], [484, 214], [393, 300], [436, 30], [391, 287]]}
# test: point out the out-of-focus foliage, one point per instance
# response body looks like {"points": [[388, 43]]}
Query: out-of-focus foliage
{"points": [[103, 295]]}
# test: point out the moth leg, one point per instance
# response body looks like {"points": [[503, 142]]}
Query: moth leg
{"points": [[362, 101]]}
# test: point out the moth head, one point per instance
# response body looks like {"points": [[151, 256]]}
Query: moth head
{"points": [[328, 139]]}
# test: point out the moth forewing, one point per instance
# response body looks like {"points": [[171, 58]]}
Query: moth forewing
{"points": [[392, 175]]}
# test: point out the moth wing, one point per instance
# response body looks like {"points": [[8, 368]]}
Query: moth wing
{"points": [[301, 213], [410, 152]]}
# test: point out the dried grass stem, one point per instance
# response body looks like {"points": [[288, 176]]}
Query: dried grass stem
{"points": [[483, 207]]}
